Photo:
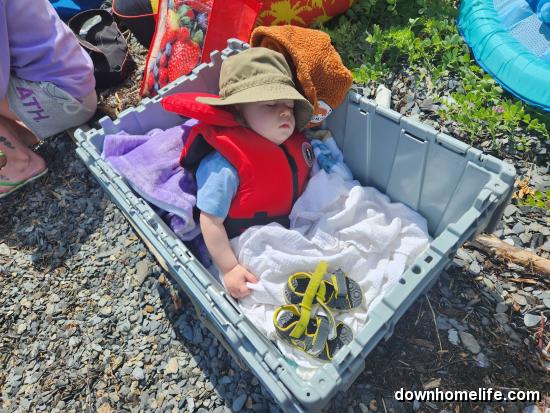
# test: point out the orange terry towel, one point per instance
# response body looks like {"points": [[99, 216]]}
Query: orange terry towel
{"points": [[317, 66]]}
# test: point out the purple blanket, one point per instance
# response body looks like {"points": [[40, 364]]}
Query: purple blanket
{"points": [[150, 164]]}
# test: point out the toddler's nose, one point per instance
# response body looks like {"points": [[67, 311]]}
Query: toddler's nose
{"points": [[285, 110]]}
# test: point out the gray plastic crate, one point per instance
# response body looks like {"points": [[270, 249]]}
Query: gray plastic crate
{"points": [[457, 188]]}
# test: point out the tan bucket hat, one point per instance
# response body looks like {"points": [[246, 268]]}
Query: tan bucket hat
{"points": [[258, 75]]}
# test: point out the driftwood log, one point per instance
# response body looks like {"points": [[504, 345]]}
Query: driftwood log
{"points": [[493, 245]]}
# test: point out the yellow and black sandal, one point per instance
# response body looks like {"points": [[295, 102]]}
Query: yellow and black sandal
{"points": [[314, 339], [341, 293]]}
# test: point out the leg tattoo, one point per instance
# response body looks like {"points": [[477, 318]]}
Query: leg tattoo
{"points": [[6, 142]]}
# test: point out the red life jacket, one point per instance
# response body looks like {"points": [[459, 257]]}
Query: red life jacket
{"points": [[271, 177]]}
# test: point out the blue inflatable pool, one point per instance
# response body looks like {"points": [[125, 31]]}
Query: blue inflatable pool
{"points": [[512, 44]]}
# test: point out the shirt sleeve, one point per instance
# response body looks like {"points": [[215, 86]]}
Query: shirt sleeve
{"points": [[217, 183], [41, 47], [4, 52]]}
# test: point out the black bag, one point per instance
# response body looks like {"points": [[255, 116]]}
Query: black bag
{"points": [[99, 35]]}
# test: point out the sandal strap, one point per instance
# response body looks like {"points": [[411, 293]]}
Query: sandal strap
{"points": [[290, 308], [316, 345], [6, 183], [330, 319], [322, 292], [313, 345], [340, 284], [307, 300]]}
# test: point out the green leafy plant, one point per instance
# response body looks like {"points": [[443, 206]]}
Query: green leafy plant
{"points": [[527, 195], [378, 38], [538, 199]]}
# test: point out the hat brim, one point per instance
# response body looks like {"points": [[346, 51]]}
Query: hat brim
{"points": [[303, 110]]}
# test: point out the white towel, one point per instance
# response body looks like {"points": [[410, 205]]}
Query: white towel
{"points": [[352, 227]]}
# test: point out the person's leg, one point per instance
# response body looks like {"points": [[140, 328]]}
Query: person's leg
{"points": [[21, 163], [31, 111], [22, 132], [44, 109]]}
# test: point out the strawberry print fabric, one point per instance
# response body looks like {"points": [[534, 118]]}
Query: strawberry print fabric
{"points": [[179, 38]]}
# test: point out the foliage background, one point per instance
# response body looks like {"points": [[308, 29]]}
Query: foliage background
{"points": [[420, 38]]}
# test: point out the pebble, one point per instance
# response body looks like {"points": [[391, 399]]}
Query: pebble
{"points": [[520, 299], [531, 320], [470, 342], [106, 311], [4, 250], [510, 210], [457, 324], [190, 404], [373, 405], [103, 300], [475, 268], [239, 402], [518, 228], [502, 318], [172, 366], [488, 283], [142, 270], [464, 255], [501, 307], [104, 408], [482, 360], [525, 237], [453, 337], [442, 322], [138, 373], [21, 328]]}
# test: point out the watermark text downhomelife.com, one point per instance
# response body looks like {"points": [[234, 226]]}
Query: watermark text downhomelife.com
{"points": [[482, 394]]}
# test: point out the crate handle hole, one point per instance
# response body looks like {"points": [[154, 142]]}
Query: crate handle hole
{"points": [[416, 269], [415, 137], [429, 259]]}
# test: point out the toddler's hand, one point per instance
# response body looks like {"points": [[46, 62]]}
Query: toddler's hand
{"points": [[235, 281]]}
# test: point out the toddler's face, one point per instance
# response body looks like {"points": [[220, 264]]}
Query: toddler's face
{"points": [[273, 119]]}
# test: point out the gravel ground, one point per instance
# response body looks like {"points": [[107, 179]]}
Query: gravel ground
{"points": [[90, 322]]}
